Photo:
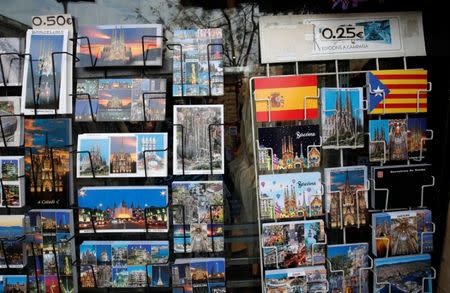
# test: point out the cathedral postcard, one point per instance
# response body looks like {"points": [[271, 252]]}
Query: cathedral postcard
{"points": [[120, 45], [342, 118], [346, 200], [349, 258], [48, 161], [402, 232], [292, 195], [49, 73], [120, 155], [202, 146], [293, 244], [120, 211], [289, 147]]}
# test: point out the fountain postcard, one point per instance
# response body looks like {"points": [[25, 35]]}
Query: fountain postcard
{"points": [[117, 209], [120, 45]]}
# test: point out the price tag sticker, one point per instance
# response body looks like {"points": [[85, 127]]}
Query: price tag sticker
{"points": [[341, 33], [58, 21]]}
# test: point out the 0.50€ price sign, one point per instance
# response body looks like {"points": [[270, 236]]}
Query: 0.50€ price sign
{"points": [[61, 21]]}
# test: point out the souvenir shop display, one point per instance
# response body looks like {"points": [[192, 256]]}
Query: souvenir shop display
{"points": [[286, 98], [13, 182], [12, 122], [197, 62], [123, 209], [198, 275], [11, 249], [120, 45], [289, 147], [292, 195], [197, 216], [12, 65], [125, 264], [122, 155]]}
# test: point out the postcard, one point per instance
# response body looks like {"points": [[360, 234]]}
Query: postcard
{"points": [[12, 125], [114, 99], [417, 132], [125, 264], [303, 279], [342, 118], [13, 283], [293, 244], [203, 143], [397, 91], [292, 195], [12, 64], [198, 216], [346, 196], [49, 92], [413, 268], [122, 155], [350, 259], [48, 161], [118, 209], [289, 147], [284, 98], [12, 172], [50, 229], [83, 111], [402, 233], [120, 45], [12, 253], [198, 275], [200, 70], [387, 177]]}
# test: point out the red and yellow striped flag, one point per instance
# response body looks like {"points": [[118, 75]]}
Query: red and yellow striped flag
{"points": [[287, 98], [397, 91]]}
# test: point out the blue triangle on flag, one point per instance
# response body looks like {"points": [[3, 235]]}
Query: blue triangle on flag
{"points": [[377, 89]]}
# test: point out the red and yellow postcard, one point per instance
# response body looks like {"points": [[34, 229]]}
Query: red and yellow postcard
{"points": [[286, 96]]}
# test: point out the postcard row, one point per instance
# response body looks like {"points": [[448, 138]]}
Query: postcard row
{"points": [[343, 195], [348, 271], [299, 147], [120, 99], [284, 98]]}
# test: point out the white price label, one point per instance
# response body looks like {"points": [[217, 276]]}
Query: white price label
{"points": [[63, 21], [341, 33]]}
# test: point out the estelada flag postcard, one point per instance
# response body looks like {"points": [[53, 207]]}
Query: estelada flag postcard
{"points": [[397, 91]]}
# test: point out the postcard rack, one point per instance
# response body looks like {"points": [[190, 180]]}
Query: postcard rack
{"points": [[263, 155]]}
